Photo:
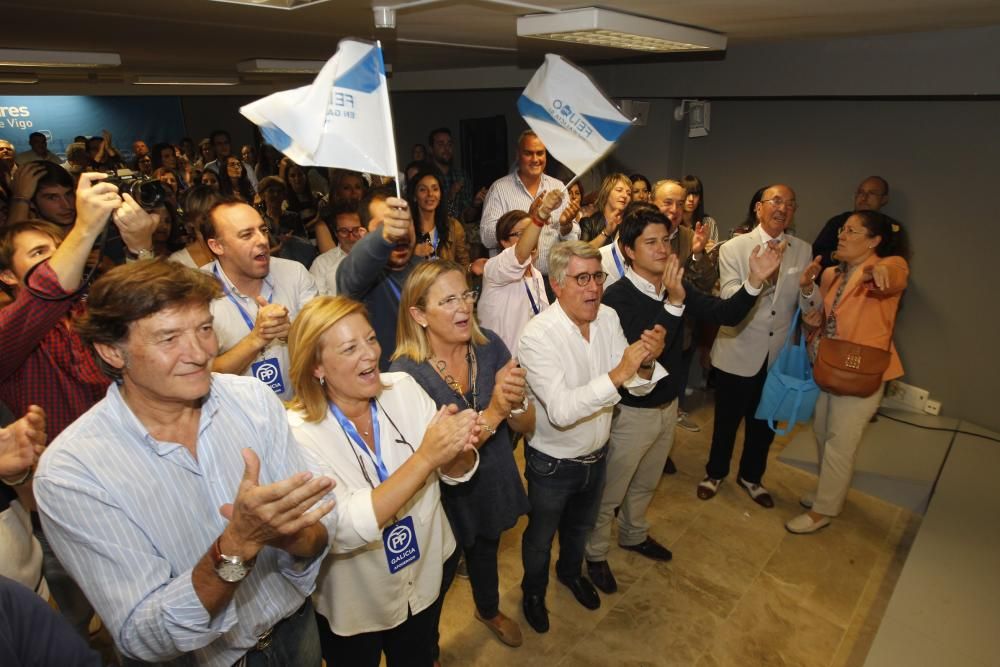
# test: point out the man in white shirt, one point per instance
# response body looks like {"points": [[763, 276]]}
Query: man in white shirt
{"points": [[576, 358], [347, 229], [39, 151], [516, 192], [261, 296], [742, 354]]}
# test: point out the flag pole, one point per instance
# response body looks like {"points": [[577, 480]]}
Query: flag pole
{"points": [[388, 121]]}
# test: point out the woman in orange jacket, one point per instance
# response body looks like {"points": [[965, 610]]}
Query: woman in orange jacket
{"points": [[860, 300]]}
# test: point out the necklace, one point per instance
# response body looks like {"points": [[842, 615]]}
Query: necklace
{"points": [[441, 366]]}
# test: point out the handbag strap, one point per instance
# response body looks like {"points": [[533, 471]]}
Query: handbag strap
{"points": [[794, 326]]}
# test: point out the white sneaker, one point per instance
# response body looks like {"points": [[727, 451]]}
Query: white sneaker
{"points": [[803, 524]]}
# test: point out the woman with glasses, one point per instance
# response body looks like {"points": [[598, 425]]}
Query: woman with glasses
{"points": [[615, 194], [438, 234], [387, 445], [859, 300], [439, 344], [694, 210]]}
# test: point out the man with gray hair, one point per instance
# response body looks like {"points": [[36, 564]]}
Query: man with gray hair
{"points": [[576, 358]]}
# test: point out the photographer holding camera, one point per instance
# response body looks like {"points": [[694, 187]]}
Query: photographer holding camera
{"points": [[44, 362]]}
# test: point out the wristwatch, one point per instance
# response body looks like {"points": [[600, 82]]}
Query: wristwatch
{"points": [[140, 255], [232, 569]]}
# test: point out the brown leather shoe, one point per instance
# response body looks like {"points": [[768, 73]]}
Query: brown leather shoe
{"points": [[506, 629]]}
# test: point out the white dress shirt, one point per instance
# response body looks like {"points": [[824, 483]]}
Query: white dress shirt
{"points": [[504, 306], [356, 592], [324, 270], [568, 378], [287, 283]]}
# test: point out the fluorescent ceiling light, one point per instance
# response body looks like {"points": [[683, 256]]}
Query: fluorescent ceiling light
{"points": [[603, 27], [272, 66], [186, 81], [33, 58], [274, 4], [13, 78]]}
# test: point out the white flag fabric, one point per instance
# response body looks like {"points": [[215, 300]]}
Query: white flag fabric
{"points": [[575, 120], [341, 120]]}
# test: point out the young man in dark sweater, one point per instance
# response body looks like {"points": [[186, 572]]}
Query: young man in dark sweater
{"points": [[653, 291]]}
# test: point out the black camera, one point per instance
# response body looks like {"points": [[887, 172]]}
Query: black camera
{"points": [[148, 192]]}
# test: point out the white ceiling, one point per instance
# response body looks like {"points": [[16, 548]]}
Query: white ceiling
{"points": [[205, 38]]}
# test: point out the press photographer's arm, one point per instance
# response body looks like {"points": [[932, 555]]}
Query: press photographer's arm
{"points": [[96, 201]]}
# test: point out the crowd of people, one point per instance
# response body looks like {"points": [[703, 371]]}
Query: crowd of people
{"points": [[260, 411]]}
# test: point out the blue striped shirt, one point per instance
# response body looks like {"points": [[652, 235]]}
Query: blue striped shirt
{"points": [[510, 194], [131, 516]]}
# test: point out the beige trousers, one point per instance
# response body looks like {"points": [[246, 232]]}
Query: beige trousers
{"points": [[641, 439], [838, 424]]}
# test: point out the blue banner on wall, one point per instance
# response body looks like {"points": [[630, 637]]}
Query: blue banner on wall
{"points": [[61, 118]]}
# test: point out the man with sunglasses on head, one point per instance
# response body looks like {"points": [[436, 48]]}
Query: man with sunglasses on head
{"points": [[576, 358], [743, 353]]}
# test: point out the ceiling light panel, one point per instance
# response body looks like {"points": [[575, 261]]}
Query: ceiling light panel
{"points": [[35, 58], [185, 81], [273, 4], [602, 27], [276, 66]]}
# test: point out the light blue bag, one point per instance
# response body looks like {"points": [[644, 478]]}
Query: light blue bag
{"points": [[790, 392]]}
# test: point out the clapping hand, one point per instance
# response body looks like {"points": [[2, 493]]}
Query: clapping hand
{"points": [[672, 281], [22, 443], [272, 322], [509, 388], [655, 340], [875, 278], [809, 274], [545, 203], [449, 433], [700, 239], [764, 263]]}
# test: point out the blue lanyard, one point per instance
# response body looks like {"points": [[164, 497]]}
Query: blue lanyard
{"points": [[534, 306], [395, 289], [352, 433], [239, 307], [618, 262]]}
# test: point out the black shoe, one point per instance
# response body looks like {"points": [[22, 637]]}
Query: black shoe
{"points": [[670, 468], [600, 574], [583, 591], [650, 548], [535, 613]]}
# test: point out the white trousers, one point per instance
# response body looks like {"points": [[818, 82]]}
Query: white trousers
{"points": [[838, 424], [641, 439]]}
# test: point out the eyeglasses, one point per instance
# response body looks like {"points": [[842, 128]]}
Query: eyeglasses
{"points": [[514, 235], [853, 232], [778, 202], [344, 232], [451, 303], [583, 278]]}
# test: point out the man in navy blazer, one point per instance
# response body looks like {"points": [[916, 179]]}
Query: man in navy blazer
{"points": [[742, 354]]}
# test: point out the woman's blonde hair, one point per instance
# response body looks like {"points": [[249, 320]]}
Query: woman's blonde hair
{"points": [[305, 350], [609, 183], [411, 338]]}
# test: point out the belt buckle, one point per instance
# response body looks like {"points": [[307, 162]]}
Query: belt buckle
{"points": [[264, 640]]}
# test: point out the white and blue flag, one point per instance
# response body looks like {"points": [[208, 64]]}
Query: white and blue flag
{"points": [[575, 120], [341, 120]]}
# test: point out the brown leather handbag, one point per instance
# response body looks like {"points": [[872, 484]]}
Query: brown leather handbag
{"points": [[844, 368]]}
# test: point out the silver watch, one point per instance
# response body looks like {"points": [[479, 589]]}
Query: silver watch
{"points": [[231, 569]]}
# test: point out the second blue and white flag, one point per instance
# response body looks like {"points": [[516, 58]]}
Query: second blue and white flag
{"points": [[341, 120], [575, 120]]}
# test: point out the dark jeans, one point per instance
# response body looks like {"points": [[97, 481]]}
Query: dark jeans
{"points": [[448, 571], [565, 495], [481, 560], [736, 399], [412, 643]]}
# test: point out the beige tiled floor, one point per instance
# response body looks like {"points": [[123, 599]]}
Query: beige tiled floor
{"points": [[740, 590]]}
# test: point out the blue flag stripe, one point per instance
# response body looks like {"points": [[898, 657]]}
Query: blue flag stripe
{"points": [[531, 109], [276, 138], [611, 130], [365, 75]]}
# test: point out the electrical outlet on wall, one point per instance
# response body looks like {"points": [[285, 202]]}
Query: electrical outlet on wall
{"points": [[905, 397], [932, 407]]}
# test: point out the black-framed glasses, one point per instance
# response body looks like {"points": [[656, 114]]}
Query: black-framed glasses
{"points": [[778, 202], [583, 278], [344, 232], [451, 303]]}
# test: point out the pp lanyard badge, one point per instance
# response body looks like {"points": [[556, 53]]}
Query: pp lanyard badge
{"points": [[268, 371], [400, 543]]}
